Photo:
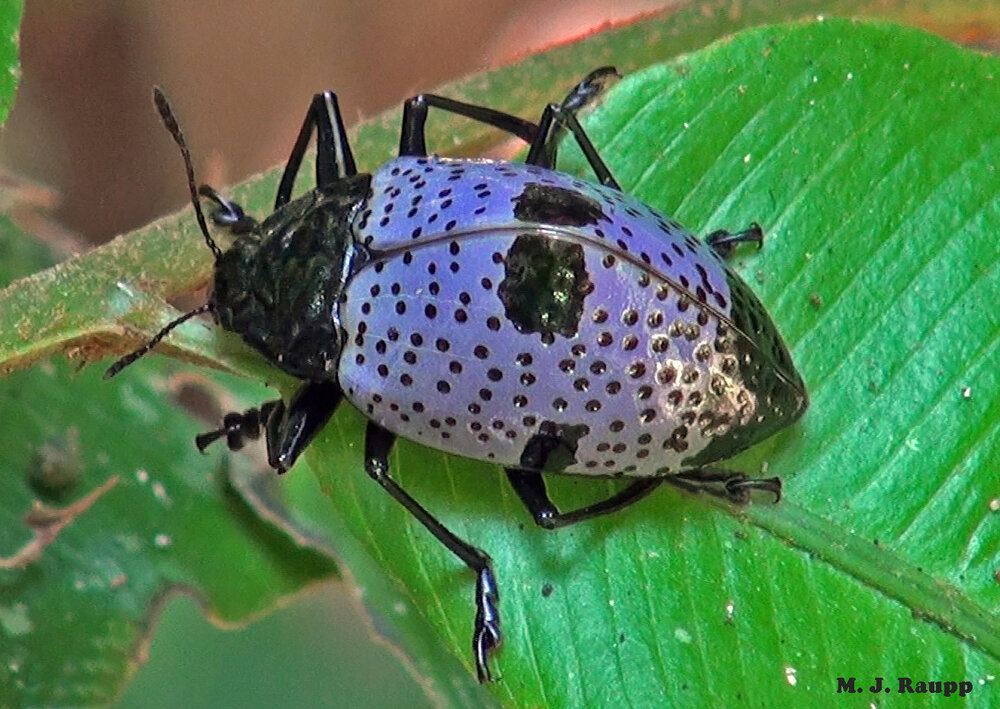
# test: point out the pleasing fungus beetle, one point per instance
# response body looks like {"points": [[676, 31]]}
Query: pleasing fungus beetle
{"points": [[500, 311]]}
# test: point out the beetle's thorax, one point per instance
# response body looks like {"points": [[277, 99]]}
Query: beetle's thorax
{"points": [[278, 285]]}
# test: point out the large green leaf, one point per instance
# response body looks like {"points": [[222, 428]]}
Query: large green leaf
{"points": [[869, 153]]}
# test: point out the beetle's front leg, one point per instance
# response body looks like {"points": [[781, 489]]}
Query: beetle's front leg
{"points": [[287, 429]]}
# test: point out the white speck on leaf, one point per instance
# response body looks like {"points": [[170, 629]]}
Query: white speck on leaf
{"points": [[790, 677], [15, 621], [160, 493], [682, 635]]}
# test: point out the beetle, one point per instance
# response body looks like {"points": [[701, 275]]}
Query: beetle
{"points": [[501, 311]]}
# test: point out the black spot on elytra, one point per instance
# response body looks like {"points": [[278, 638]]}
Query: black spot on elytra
{"points": [[548, 204], [553, 448], [544, 286]]}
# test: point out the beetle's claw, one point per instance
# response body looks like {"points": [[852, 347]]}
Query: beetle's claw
{"points": [[487, 636], [739, 486], [723, 242]]}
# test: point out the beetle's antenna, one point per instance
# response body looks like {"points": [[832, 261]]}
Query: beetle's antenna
{"points": [[132, 357], [167, 114]]}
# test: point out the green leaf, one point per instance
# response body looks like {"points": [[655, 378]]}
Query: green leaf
{"points": [[129, 519], [869, 153], [10, 22]]}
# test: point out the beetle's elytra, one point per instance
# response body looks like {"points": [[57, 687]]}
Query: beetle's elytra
{"points": [[500, 311]]}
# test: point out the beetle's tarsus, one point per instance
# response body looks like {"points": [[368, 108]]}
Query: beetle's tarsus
{"points": [[723, 242], [487, 636], [588, 91], [735, 487], [738, 487], [228, 214]]}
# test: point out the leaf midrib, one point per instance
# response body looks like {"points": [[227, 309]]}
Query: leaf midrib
{"points": [[879, 569]]}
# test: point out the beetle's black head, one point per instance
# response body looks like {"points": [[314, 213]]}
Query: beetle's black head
{"points": [[278, 285]]}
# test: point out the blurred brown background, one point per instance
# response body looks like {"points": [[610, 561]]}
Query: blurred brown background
{"points": [[240, 76]]}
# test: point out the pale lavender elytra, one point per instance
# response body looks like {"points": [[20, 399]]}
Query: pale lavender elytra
{"points": [[672, 362]]}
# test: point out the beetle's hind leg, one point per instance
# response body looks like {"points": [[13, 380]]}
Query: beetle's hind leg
{"points": [[543, 138], [486, 635], [560, 117], [412, 139]]}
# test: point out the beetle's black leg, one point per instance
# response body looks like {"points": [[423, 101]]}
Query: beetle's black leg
{"points": [[486, 636], [543, 149], [288, 429], [587, 92], [289, 434], [530, 487], [334, 159], [412, 141], [227, 213], [735, 487], [723, 241]]}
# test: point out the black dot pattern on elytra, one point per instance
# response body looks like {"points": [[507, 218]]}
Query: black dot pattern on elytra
{"points": [[655, 371]]}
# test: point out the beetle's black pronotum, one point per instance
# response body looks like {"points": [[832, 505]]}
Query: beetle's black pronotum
{"points": [[501, 311]]}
